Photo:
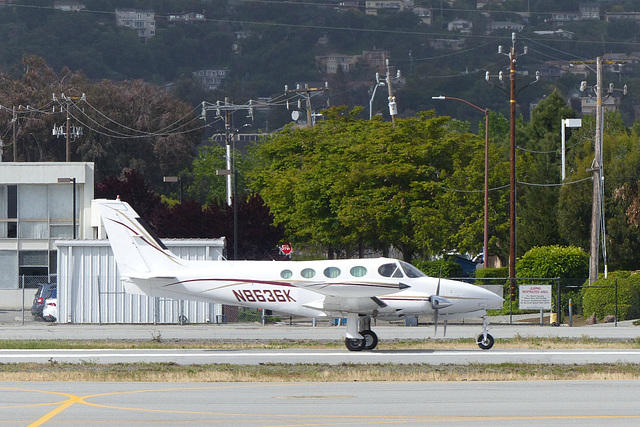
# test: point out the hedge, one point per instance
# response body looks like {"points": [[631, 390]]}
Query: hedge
{"points": [[599, 298]]}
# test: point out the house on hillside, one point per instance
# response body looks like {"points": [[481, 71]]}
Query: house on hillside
{"points": [[376, 59], [624, 63], [189, 17], [557, 33], [480, 4], [505, 25], [372, 7], [617, 16], [143, 22], [589, 11], [460, 25], [446, 44], [68, 6], [424, 13], [588, 105], [211, 79], [559, 18]]}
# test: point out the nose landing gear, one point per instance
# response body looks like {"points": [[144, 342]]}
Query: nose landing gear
{"points": [[485, 340]]}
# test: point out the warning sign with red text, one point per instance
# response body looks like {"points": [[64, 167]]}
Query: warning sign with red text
{"points": [[534, 297]]}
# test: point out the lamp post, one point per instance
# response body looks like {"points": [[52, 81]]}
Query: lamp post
{"points": [[373, 95], [486, 170], [73, 181]]}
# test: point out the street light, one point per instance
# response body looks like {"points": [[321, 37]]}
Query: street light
{"points": [[486, 170], [73, 181], [373, 95]]}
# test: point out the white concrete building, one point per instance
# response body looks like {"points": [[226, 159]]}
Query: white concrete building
{"points": [[36, 209], [142, 21]]}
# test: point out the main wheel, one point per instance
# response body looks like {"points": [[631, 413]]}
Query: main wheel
{"points": [[485, 344], [370, 339], [354, 344]]}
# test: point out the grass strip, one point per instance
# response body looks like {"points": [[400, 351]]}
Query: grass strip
{"points": [[415, 344], [170, 372]]}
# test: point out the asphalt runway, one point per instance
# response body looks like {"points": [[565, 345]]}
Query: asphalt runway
{"points": [[567, 403]]}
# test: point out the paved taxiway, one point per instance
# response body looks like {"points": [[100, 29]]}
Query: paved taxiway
{"points": [[210, 333], [331, 357], [322, 404]]}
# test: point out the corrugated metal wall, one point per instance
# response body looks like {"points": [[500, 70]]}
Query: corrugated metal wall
{"points": [[90, 291]]}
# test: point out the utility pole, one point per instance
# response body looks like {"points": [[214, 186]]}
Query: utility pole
{"points": [[512, 158], [224, 110], [305, 92], [393, 107], [597, 206], [597, 176], [69, 131], [227, 108], [15, 143]]}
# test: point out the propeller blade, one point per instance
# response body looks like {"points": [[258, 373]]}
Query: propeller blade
{"points": [[434, 305], [435, 322]]}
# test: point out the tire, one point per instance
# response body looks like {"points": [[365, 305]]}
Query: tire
{"points": [[370, 339], [354, 344], [485, 344]]}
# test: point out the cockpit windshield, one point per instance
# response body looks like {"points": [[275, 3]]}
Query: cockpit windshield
{"points": [[390, 270], [411, 271]]}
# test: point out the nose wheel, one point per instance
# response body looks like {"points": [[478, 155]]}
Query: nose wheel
{"points": [[485, 340], [485, 343]]}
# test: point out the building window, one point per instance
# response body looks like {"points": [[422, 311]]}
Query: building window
{"points": [[34, 266]]}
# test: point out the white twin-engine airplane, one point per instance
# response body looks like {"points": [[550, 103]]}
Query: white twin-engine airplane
{"points": [[358, 289]]}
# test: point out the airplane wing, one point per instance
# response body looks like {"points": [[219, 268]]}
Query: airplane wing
{"points": [[352, 289]]}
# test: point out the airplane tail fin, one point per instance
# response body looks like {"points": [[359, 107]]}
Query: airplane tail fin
{"points": [[135, 246]]}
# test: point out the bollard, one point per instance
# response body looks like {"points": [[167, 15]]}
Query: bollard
{"points": [[570, 313]]}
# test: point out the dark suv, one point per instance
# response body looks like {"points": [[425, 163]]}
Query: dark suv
{"points": [[45, 290]]}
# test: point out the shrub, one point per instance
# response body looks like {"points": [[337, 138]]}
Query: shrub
{"points": [[569, 263], [599, 298], [439, 268]]}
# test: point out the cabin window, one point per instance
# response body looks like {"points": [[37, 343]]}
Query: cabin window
{"points": [[308, 273], [390, 270], [286, 274], [332, 272], [411, 271], [358, 271]]}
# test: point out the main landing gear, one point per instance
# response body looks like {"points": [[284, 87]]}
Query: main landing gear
{"points": [[485, 340], [356, 327]]}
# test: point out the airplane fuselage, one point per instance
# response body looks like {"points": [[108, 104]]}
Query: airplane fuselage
{"points": [[316, 288]]}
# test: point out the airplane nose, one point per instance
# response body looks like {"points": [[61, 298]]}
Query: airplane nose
{"points": [[495, 300]]}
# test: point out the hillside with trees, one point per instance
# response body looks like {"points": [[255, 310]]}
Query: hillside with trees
{"points": [[347, 184]]}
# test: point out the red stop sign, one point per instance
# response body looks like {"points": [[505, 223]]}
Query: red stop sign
{"points": [[285, 248]]}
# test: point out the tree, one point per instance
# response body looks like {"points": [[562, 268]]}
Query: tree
{"points": [[126, 125], [539, 195], [345, 184]]}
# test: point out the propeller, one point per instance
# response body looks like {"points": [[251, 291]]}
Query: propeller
{"points": [[438, 302]]}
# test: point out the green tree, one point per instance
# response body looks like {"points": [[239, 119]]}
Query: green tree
{"points": [[348, 183], [204, 182], [539, 195]]}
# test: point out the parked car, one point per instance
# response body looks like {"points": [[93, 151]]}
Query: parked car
{"points": [[45, 290], [50, 310]]}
